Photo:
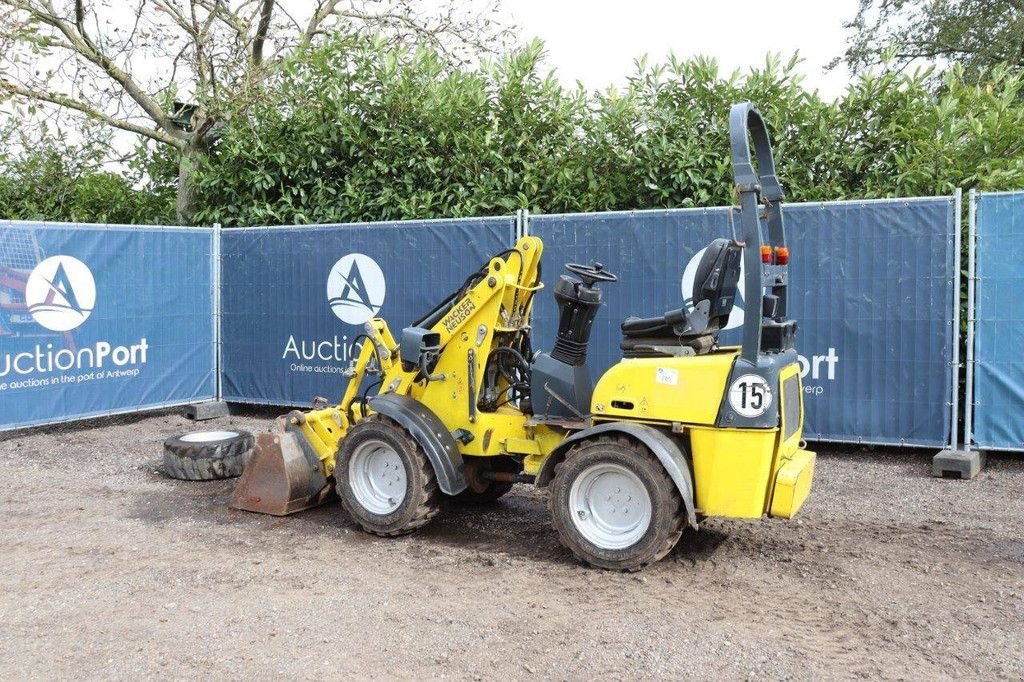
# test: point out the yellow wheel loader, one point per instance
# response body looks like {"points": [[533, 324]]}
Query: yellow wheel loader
{"points": [[461, 406]]}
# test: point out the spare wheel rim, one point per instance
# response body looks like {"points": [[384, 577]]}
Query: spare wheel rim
{"points": [[377, 476], [208, 436], [610, 506]]}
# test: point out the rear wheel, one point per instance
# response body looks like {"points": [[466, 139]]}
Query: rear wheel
{"points": [[384, 479], [614, 506]]}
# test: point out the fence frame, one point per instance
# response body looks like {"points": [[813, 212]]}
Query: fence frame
{"points": [[955, 331], [516, 228], [215, 284], [952, 400], [974, 278], [972, 232], [214, 340], [521, 227]]}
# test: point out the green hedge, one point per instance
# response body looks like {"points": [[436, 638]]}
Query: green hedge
{"points": [[356, 131]]}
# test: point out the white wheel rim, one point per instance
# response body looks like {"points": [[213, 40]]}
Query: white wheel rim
{"points": [[377, 477], [208, 436], [610, 506]]}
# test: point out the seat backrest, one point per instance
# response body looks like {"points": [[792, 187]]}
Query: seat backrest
{"points": [[715, 281]]}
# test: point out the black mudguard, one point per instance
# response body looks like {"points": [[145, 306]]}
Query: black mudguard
{"points": [[431, 434]]}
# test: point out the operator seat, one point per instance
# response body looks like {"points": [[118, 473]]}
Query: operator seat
{"points": [[693, 332]]}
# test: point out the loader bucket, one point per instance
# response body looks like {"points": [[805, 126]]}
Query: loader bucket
{"points": [[282, 476]]}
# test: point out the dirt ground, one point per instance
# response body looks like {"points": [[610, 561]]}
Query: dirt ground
{"points": [[111, 570]]}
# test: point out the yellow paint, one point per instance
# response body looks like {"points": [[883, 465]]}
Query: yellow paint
{"points": [[732, 469], [794, 466], [502, 301], [324, 429], [522, 446], [682, 389], [793, 484]]}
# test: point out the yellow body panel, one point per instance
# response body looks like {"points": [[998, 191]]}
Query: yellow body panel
{"points": [[680, 389], [736, 471], [790, 444], [793, 484], [323, 429], [491, 430], [732, 469], [794, 467]]}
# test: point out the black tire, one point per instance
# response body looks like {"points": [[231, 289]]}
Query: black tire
{"points": [[422, 499], [668, 514], [207, 455]]}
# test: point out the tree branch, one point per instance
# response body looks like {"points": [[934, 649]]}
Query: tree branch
{"points": [[88, 49], [266, 12], [71, 103], [319, 17]]}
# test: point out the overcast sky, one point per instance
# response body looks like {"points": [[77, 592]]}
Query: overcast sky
{"points": [[596, 41]]}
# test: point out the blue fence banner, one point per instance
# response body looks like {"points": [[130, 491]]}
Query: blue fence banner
{"points": [[872, 290], [999, 325], [97, 320], [294, 299]]}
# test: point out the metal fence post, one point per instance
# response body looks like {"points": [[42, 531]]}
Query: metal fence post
{"points": [[972, 217], [955, 336], [216, 286], [522, 223]]}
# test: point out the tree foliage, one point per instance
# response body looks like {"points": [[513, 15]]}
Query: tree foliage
{"points": [[127, 63], [359, 130], [977, 34], [52, 180]]}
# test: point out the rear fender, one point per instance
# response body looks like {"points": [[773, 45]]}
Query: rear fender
{"points": [[431, 435], [663, 446]]}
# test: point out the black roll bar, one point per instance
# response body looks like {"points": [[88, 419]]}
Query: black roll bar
{"points": [[756, 188]]}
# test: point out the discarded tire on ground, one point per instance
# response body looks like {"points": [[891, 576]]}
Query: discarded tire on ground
{"points": [[207, 455]]}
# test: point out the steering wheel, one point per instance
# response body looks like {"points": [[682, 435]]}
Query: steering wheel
{"points": [[591, 273]]}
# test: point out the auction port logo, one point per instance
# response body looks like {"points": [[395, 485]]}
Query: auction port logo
{"points": [[60, 293], [690, 273], [356, 288]]}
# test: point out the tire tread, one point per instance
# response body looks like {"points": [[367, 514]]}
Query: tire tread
{"points": [[663, 481], [430, 504], [207, 461]]}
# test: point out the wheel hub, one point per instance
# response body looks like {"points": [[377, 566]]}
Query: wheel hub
{"points": [[610, 506], [377, 476]]}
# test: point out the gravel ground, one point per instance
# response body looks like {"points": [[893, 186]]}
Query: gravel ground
{"points": [[112, 570]]}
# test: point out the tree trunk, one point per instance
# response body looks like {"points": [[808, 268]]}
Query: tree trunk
{"points": [[185, 206]]}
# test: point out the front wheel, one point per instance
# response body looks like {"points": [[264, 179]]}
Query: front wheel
{"points": [[384, 479], [614, 506]]}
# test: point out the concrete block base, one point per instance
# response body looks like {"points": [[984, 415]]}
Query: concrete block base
{"points": [[208, 410], [964, 464]]}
